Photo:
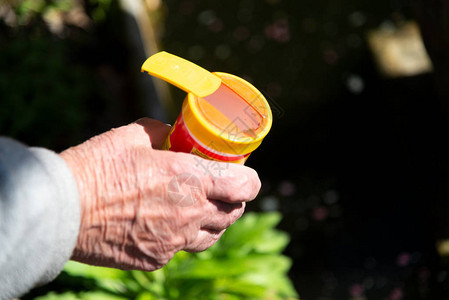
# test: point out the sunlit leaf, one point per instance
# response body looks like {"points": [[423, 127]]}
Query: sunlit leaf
{"points": [[79, 269], [55, 296], [245, 264], [97, 295]]}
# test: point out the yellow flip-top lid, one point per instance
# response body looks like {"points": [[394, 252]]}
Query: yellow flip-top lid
{"points": [[227, 132], [221, 109], [182, 73]]}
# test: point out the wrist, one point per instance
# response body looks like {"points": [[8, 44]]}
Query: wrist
{"points": [[76, 165]]}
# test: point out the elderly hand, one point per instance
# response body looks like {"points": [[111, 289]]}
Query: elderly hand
{"points": [[140, 205]]}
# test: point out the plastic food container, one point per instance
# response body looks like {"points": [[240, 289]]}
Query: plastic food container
{"points": [[223, 117]]}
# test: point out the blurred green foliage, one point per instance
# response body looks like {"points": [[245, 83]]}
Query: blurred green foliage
{"points": [[54, 77], [27, 10], [43, 94], [100, 9], [246, 263]]}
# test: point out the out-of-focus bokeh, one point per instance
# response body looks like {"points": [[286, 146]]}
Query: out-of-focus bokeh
{"points": [[356, 162]]}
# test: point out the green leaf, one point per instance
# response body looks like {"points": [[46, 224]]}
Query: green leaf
{"points": [[55, 296], [228, 267], [149, 282], [96, 295], [99, 296], [246, 264], [248, 234], [274, 283], [78, 269], [241, 287], [64, 5], [28, 6], [147, 296], [112, 280], [274, 241]]}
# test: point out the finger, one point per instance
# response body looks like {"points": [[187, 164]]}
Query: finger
{"points": [[220, 215], [232, 183], [156, 130], [206, 238], [227, 182]]}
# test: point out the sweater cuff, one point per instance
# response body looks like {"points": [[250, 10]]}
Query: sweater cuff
{"points": [[39, 217], [68, 206]]}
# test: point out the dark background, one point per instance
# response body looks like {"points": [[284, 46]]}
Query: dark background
{"points": [[360, 175]]}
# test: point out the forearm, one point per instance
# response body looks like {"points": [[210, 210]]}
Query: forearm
{"points": [[39, 217]]}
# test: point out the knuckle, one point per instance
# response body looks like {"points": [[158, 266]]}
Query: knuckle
{"points": [[229, 221], [236, 214]]}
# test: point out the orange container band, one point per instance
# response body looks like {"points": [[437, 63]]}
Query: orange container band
{"points": [[226, 125]]}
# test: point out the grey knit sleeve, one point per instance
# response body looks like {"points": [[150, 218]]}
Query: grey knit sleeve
{"points": [[39, 217]]}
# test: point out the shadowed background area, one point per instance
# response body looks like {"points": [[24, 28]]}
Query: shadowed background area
{"points": [[356, 161]]}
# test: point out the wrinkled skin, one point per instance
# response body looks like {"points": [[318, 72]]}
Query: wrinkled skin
{"points": [[133, 212]]}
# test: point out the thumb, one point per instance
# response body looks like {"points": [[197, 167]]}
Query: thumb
{"points": [[157, 130]]}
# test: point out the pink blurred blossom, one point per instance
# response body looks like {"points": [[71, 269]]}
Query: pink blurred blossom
{"points": [[320, 213], [278, 31], [404, 259], [356, 290], [396, 294]]}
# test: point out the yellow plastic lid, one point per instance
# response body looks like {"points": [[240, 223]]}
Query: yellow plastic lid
{"points": [[182, 73], [211, 126], [221, 109]]}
